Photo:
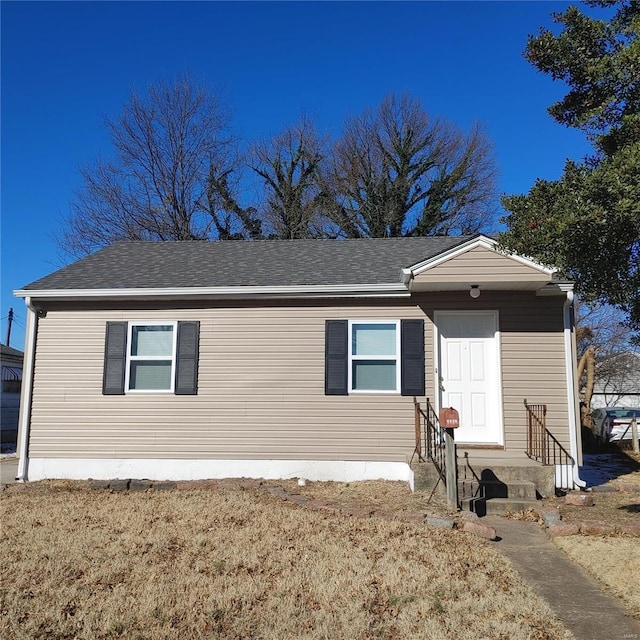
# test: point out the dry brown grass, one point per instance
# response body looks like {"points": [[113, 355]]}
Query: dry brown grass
{"points": [[612, 561], [82, 563]]}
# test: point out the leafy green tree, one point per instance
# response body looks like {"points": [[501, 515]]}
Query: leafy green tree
{"points": [[587, 223], [600, 62]]}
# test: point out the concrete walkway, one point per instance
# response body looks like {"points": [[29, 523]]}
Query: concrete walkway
{"points": [[574, 596]]}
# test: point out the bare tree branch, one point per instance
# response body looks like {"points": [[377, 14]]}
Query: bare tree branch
{"points": [[397, 171], [291, 167], [176, 175], [156, 188], [602, 329]]}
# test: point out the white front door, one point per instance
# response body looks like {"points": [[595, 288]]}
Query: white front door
{"points": [[468, 374]]}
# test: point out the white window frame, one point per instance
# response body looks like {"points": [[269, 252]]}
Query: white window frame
{"points": [[130, 358], [396, 358]]}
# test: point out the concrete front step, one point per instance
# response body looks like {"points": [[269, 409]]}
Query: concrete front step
{"points": [[516, 490], [488, 488], [496, 506], [543, 477], [426, 478]]}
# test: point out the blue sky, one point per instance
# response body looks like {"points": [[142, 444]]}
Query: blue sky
{"points": [[65, 66]]}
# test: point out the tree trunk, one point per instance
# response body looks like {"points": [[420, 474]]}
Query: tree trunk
{"points": [[588, 363]]}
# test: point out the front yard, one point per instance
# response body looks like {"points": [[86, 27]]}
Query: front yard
{"points": [[613, 560], [234, 563]]}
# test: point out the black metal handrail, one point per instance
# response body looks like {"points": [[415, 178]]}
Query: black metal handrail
{"points": [[543, 446], [467, 473], [430, 439]]}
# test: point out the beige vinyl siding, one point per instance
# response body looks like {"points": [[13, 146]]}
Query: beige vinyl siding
{"points": [[260, 392], [261, 383], [481, 264], [531, 352]]}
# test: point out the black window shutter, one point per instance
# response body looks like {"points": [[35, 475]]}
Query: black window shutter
{"points": [[187, 358], [336, 357], [115, 358], [412, 359]]}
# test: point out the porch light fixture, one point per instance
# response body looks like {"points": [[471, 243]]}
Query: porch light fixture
{"points": [[474, 292]]}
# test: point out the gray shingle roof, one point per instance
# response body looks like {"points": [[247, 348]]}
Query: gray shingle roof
{"points": [[133, 265]]}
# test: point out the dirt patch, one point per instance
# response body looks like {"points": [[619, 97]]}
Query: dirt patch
{"points": [[617, 508], [375, 495], [614, 479]]}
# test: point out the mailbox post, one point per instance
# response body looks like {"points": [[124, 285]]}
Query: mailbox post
{"points": [[449, 420]]}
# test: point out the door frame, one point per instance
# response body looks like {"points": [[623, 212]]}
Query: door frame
{"points": [[498, 360]]}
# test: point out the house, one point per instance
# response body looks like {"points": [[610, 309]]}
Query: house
{"points": [[294, 358], [617, 381], [11, 374]]}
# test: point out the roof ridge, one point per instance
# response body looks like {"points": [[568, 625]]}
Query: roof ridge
{"points": [[290, 240]]}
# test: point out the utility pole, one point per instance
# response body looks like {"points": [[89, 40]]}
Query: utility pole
{"points": [[9, 323]]}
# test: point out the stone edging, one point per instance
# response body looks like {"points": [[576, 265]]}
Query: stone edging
{"points": [[464, 521], [555, 527], [467, 522]]}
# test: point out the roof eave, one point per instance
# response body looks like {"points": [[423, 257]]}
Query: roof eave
{"points": [[396, 290]]}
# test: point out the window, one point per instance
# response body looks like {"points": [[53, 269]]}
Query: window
{"points": [[374, 351], [151, 357], [374, 356]]}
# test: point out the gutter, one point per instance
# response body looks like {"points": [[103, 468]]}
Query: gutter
{"points": [[572, 394], [394, 289], [27, 389]]}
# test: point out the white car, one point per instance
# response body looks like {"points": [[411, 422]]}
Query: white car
{"points": [[613, 424]]}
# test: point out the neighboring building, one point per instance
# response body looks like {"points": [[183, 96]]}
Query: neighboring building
{"points": [[617, 381], [11, 373], [274, 359]]}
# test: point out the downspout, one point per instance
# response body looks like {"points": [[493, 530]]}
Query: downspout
{"points": [[572, 393], [27, 389]]}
